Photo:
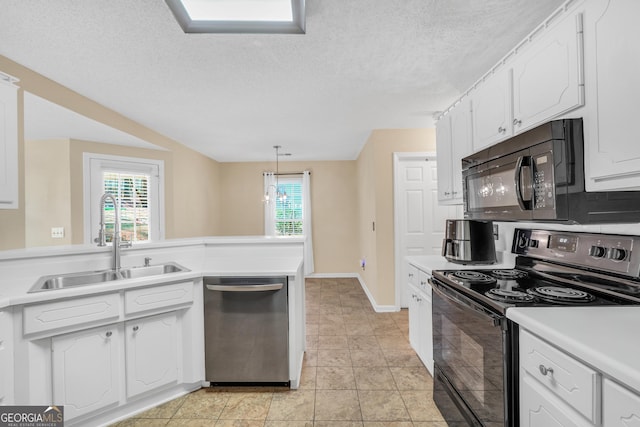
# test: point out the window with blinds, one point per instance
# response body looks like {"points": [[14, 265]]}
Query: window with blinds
{"points": [[132, 194], [289, 208]]}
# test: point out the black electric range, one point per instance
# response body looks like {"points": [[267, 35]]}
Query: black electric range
{"points": [[476, 346]]}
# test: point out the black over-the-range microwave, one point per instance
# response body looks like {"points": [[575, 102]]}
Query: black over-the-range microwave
{"points": [[539, 176]]}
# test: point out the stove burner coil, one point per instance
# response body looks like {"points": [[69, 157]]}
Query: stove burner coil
{"points": [[508, 295], [508, 274], [560, 294], [474, 277]]}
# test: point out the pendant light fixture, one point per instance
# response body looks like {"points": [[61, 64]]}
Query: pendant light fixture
{"points": [[281, 194]]}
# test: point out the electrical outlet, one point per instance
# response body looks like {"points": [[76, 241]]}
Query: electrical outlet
{"points": [[363, 263], [57, 232]]}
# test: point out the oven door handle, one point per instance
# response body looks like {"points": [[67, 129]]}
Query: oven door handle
{"points": [[461, 300]]}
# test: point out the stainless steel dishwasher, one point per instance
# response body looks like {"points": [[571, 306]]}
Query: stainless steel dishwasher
{"points": [[246, 330]]}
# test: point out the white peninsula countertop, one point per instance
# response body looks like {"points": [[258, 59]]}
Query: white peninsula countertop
{"points": [[607, 338]]}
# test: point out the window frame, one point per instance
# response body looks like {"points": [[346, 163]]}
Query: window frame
{"points": [[296, 26], [288, 181], [93, 166]]}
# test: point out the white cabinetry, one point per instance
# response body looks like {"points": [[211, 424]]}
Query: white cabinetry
{"points": [[560, 375], [558, 390], [541, 80], [6, 358], [547, 77], [8, 143], [612, 67], [453, 142], [621, 406], [151, 353], [420, 322], [86, 369], [491, 109]]}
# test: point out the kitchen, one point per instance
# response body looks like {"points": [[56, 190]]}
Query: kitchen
{"points": [[344, 181]]}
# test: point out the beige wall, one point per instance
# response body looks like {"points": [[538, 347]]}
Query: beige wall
{"points": [[47, 192], [192, 207], [375, 179], [333, 201]]}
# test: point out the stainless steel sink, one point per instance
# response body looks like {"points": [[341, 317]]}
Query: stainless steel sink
{"points": [[151, 270], [62, 281]]}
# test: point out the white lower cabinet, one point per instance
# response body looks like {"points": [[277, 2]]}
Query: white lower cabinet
{"points": [[621, 406], [6, 359], [420, 322], [151, 353], [556, 389], [540, 408], [87, 370]]}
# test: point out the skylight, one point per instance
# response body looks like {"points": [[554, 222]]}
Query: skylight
{"points": [[239, 16]]}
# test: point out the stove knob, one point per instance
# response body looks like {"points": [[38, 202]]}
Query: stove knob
{"points": [[617, 254], [597, 251]]}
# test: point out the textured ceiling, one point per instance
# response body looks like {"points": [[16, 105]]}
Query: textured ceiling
{"points": [[362, 65]]}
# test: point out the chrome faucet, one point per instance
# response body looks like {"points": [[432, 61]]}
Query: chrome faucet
{"points": [[116, 241]]}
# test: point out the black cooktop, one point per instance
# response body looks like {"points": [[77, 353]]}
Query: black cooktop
{"points": [[503, 288]]}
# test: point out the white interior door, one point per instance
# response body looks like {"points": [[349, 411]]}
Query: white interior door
{"points": [[419, 219]]}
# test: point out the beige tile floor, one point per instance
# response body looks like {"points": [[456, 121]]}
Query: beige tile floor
{"points": [[359, 371]]}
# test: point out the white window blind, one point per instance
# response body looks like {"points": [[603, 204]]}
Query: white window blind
{"points": [[289, 209], [132, 194]]}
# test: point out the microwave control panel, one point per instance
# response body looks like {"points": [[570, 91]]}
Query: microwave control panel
{"points": [[543, 187]]}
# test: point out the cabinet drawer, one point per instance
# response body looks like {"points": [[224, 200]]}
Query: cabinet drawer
{"points": [[71, 312], [564, 376], [423, 283], [412, 272], [621, 407], [143, 299]]}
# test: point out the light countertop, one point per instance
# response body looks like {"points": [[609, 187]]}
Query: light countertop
{"points": [[428, 263], [607, 338]]}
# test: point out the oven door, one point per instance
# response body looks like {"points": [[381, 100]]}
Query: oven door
{"points": [[470, 343]]}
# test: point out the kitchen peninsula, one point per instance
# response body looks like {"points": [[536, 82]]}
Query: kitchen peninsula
{"points": [[108, 350]]}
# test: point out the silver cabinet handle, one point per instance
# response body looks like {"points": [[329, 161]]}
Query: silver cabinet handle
{"points": [[502, 130], [108, 334], [246, 288], [410, 274], [135, 328], [446, 193], [544, 370], [517, 122]]}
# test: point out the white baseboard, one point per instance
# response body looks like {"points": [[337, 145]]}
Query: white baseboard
{"points": [[377, 307]]}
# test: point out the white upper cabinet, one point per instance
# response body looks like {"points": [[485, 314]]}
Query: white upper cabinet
{"points": [[541, 80], [8, 142], [491, 110], [443, 150], [453, 142], [547, 76], [612, 67]]}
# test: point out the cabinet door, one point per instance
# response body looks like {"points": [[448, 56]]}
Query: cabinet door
{"points": [[621, 407], [491, 110], [539, 408], [426, 350], [8, 146], [415, 326], [6, 359], [460, 145], [86, 370], [443, 150], [612, 67], [547, 78], [151, 353]]}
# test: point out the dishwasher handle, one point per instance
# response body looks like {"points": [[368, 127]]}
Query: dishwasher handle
{"points": [[246, 288]]}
